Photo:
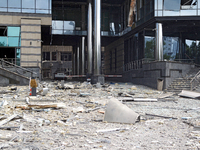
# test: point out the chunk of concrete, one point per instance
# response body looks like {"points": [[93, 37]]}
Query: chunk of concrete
{"points": [[190, 94], [119, 113]]}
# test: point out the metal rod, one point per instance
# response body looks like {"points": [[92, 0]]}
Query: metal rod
{"points": [[159, 42], [83, 56], [74, 62], [97, 37], [78, 62], [89, 45]]}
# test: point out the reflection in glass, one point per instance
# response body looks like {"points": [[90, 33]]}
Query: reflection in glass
{"points": [[156, 4], [18, 57], [14, 3], [170, 48], [14, 10], [3, 9], [171, 13], [172, 4], [13, 31], [28, 10], [188, 12], [160, 4], [42, 4], [42, 11], [28, 3], [69, 25], [3, 3], [159, 13], [149, 47], [155, 13], [57, 24], [3, 41], [13, 41], [57, 31]]}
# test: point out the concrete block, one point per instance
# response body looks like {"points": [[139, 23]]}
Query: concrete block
{"points": [[119, 113]]}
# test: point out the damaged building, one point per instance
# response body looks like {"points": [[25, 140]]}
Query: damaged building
{"points": [[141, 41]]}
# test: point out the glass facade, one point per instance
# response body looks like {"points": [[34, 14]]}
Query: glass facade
{"points": [[177, 7], [12, 39], [144, 11], [193, 50], [26, 6], [170, 48]]}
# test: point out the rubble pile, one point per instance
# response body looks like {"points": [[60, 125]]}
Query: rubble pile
{"points": [[78, 115]]}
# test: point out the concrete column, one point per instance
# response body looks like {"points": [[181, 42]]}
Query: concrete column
{"points": [[78, 62], [159, 42], [97, 37], [89, 42], [83, 56]]}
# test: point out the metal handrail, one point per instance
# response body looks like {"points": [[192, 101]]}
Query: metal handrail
{"points": [[16, 66], [137, 64], [195, 81]]}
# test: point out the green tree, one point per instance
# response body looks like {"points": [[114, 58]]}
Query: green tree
{"points": [[149, 49]]}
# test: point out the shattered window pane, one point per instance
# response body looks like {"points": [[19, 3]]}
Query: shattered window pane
{"points": [[188, 4], [46, 55]]}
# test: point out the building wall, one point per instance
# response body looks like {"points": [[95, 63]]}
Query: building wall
{"points": [[150, 73], [14, 19], [114, 57], [30, 35], [30, 42]]}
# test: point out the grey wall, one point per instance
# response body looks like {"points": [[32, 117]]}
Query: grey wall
{"points": [[150, 73]]}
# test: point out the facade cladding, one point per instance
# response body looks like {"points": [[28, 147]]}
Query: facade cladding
{"points": [[53, 35]]}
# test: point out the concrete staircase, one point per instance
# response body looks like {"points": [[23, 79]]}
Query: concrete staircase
{"points": [[10, 77], [183, 83], [10, 74], [179, 84]]}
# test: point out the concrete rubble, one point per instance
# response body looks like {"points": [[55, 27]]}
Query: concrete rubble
{"points": [[71, 115]]}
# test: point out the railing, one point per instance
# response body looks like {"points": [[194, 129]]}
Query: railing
{"points": [[184, 60], [195, 81], [137, 64], [15, 61], [18, 69]]}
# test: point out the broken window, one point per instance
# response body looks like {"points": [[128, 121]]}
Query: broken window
{"points": [[3, 31], [176, 5], [65, 56], [54, 56], [46, 56], [188, 4]]}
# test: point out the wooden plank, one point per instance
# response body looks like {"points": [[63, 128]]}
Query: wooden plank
{"points": [[8, 119]]}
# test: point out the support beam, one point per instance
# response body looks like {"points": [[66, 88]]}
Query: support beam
{"points": [[97, 37], [83, 56], [159, 42], [89, 34]]}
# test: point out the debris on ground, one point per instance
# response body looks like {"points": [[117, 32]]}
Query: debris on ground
{"points": [[79, 115]]}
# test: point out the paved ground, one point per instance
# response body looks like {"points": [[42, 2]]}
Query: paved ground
{"points": [[77, 122]]}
